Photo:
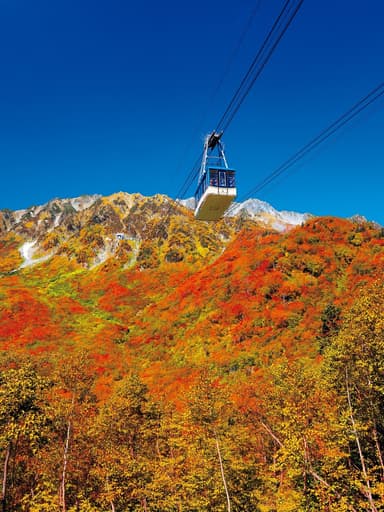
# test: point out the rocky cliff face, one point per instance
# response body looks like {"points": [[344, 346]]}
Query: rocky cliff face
{"points": [[128, 228]]}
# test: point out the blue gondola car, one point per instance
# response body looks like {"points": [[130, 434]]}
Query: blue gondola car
{"points": [[217, 186]]}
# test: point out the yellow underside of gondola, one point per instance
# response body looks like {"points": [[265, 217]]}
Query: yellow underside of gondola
{"points": [[214, 203]]}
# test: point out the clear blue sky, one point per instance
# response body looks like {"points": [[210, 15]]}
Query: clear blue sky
{"points": [[98, 97]]}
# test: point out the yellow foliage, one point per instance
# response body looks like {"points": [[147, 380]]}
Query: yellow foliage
{"points": [[44, 499]]}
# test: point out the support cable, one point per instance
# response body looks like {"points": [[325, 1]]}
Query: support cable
{"points": [[269, 45], [376, 93], [240, 101]]}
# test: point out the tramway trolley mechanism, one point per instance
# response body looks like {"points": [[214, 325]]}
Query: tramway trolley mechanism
{"points": [[216, 186]]}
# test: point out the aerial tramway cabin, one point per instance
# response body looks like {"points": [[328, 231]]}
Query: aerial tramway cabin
{"points": [[216, 186]]}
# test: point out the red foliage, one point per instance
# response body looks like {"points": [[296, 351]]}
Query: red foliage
{"points": [[263, 296]]}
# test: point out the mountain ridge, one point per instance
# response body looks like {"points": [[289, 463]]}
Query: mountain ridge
{"points": [[262, 212], [92, 228]]}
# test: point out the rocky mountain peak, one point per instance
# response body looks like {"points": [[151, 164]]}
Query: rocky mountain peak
{"points": [[130, 229]]}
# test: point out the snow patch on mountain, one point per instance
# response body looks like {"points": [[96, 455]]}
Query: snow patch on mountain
{"points": [[101, 257], [27, 251], [57, 221], [83, 202], [18, 214], [259, 210], [32, 212], [263, 211], [252, 207], [294, 218], [187, 203]]}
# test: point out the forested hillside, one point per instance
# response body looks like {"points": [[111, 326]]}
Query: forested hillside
{"points": [[151, 362]]}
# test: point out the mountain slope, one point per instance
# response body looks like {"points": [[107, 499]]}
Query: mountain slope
{"points": [[129, 228], [140, 272], [154, 346]]}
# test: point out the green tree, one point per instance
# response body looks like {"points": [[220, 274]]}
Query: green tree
{"points": [[330, 322]]}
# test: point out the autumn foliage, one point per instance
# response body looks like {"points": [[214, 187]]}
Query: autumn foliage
{"points": [[194, 378]]}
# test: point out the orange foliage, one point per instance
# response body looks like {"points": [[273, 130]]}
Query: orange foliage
{"points": [[263, 295]]}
